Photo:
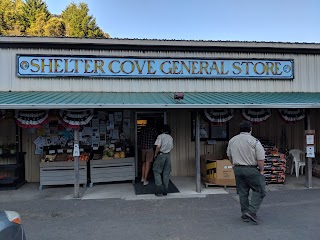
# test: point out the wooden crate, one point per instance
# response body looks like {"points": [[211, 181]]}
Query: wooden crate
{"points": [[121, 169], [61, 173]]}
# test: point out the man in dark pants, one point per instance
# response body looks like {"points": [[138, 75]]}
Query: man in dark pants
{"points": [[162, 163], [247, 156]]}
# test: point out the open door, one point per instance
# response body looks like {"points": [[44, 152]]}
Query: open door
{"points": [[159, 118]]}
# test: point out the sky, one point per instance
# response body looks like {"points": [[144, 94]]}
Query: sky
{"points": [[231, 20]]}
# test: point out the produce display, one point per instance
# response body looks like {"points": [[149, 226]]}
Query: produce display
{"points": [[64, 157], [109, 152]]}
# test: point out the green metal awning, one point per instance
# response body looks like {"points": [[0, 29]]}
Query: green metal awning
{"points": [[73, 100]]}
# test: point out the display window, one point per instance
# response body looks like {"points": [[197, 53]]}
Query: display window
{"points": [[210, 130]]}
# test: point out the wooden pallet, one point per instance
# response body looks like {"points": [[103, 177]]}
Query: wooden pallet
{"points": [[217, 185]]}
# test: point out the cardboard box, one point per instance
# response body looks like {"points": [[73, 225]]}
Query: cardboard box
{"points": [[97, 156], [211, 165], [223, 173], [207, 158], [61, 157]]}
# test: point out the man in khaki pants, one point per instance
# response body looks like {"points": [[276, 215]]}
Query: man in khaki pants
{"points": [[146, 141], [247, 156]]}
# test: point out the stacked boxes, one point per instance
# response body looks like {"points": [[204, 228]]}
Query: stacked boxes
{"points": [[274, 165], [216, 170]]}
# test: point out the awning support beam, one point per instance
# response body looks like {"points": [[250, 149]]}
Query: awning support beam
{"points": [[309, 160], [197, 146], [76, 166]]}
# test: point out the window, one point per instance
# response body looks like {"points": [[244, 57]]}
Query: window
{"points": [[210, 130]]}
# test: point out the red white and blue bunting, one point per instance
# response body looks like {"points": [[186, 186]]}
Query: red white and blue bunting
{"points": [[256, 115], [31, 118], [76, 118], [292, 115], [219, 115]]}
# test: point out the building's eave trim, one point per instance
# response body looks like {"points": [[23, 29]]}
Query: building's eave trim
{"points": [[157, 106], [158, 45]]}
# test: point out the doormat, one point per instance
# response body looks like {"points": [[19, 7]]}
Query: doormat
{"points": [[151, 187]]}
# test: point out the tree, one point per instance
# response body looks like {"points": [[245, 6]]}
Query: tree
{"points": [[36, 27], [79, 23], [5, 16], [55, 27], [10, 17], [33, 9], [32, 18]]}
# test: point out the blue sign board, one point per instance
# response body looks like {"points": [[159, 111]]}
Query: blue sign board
{"points": [[113, 67]]}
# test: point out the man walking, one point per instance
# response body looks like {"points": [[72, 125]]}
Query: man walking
{"points": [[247, 156], [162, 163]]}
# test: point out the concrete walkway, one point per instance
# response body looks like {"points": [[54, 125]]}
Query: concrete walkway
{"points": [[186, 186]]}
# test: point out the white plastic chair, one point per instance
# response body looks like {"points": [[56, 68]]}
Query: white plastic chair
{"points": [[298, 160]]}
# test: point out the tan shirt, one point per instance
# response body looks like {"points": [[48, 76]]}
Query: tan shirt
{"points": [[244, 149], [165, 141]]}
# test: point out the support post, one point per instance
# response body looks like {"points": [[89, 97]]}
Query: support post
{"points": [[76, 164], [197, 143], [308, 167]]}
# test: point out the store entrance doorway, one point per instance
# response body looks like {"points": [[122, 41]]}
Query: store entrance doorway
{"points": [[159, 118]]}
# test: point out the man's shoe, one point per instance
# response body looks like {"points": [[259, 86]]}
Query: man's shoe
{"points": [[252, 216], [165, 193], [158, 194], [245, 218]]}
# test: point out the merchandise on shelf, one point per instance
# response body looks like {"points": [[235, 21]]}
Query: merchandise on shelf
{"points": [[274, 164]]}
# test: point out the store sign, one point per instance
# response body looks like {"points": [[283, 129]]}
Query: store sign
{"points": [[82, 66]]}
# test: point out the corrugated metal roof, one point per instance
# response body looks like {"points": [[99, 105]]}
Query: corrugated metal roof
{"points": [[65, 100], [76, 40], [157, 45]]}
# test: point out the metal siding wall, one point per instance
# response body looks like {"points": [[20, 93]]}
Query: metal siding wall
{"points": [[306, 75], [7, 136], [32, 161], [7, 131], [315, 125], [183, 154], [182, 157], [274, 129]]}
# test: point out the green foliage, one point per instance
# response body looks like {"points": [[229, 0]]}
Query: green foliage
{"points": [[32, 18], [55, 27], [10, 17], [36, 27], [33, 9], [79, 23]]}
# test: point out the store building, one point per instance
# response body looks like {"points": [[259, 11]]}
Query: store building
{"points": [[222, 82]]}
